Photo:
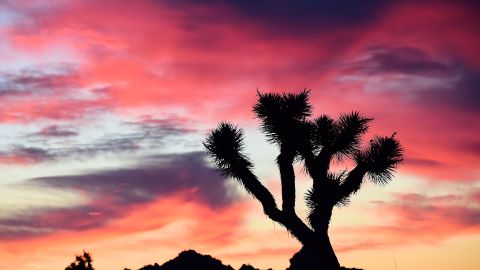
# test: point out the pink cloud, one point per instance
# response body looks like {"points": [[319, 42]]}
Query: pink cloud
{"points": [[207, 229], [413, 218], [178, 57], [152, 55]]}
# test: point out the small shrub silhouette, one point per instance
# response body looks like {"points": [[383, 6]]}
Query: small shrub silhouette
{"points": [[82, 262], [285, 120]]}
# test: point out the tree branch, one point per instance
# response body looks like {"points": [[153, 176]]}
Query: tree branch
{"points": [[288, 219], [309, 159], [317, 165], [322, 161], [287, 178], [225, 145], [352, 183]]}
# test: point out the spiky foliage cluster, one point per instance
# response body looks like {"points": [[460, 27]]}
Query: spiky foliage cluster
{"points": [[341, 137], [323, 131], [282, 116], [381, 158], [225, 145]]}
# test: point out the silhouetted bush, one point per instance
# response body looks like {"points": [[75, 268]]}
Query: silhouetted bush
{"points": [[82, 262]]}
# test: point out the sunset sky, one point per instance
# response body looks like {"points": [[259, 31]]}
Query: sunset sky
{"points": [[104, 105]]}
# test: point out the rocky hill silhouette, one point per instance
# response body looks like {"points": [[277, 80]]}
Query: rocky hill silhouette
{"points": [[191, 260]]}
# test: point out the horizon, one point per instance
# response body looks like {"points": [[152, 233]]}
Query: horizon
{"points": [[104, 107]]}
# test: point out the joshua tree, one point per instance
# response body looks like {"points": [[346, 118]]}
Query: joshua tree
{"points": [[82, 262], [285, 120]]}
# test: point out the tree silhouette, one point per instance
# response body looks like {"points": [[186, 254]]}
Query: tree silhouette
{"points": [[82, 262], [286, 121]]}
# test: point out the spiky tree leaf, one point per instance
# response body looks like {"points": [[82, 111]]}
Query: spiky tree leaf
{"points": [[345, 201], [282, 115], [381, 158], [225, 146], [324, 131], [310, 200], [349, 130]]}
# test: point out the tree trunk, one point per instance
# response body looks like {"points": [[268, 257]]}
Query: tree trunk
{"points": [[318, 255]]}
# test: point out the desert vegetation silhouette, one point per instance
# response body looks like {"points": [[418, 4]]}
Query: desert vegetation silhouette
{"points": [[82, 262], [315, 142]]}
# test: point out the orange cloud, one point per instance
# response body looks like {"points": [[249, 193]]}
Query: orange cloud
{"points": [[148, 226], [413, 219]]}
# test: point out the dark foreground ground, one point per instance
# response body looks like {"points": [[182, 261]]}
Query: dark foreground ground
{"points": [[190, 259]]}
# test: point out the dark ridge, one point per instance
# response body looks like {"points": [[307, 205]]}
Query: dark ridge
{"points": [[191, 260], [249, 267]]}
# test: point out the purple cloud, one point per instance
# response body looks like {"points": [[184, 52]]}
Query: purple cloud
{"points": [[55, 131], [402, 60], [41, 80], [112, 192]]}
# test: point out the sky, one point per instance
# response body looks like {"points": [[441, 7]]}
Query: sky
{"points": [[104, 105]]}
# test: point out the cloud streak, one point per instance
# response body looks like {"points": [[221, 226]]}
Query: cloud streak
{"points": [[113, 193], [55, 131], [54, 143], [401, 60], [414, 218]]}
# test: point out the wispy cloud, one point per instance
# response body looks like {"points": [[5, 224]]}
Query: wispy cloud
{"points": [[48, 144], [113, 193], [401, 60], [414, 218], [55, 131]]}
